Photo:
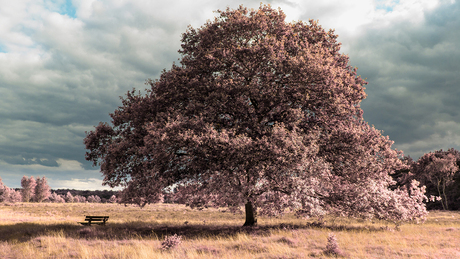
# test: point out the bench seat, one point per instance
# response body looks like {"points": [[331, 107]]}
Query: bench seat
{"points": [[99, 220]]}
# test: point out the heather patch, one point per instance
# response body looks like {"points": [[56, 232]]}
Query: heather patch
{"points": [[171, 242]]}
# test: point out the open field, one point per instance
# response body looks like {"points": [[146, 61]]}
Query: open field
{"points": [[47, 230]]}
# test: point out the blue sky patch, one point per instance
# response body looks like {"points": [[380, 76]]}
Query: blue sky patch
{"points": [[68, 9], [386, 6], [2, 48]]}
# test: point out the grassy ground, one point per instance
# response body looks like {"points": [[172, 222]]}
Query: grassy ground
{"points": [[51, 231]]}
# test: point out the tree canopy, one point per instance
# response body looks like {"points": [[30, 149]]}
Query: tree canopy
{"points": [[439, 172], [259, 112]]}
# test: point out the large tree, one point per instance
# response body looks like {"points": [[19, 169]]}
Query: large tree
{"points": [[261, 113]]}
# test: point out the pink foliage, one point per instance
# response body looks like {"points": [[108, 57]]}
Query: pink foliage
{"points": [[94, 199], [332, 247], [69, 198], [79, 198], [56, 198], [259, 112], [4, 191], [113, 199], [439, 168], [8, 194], [171, 242], [42, 189], [28, 188], [15, 196]]}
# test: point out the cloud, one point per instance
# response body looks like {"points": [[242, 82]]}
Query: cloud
{"points": [[66, 174], [412, 67], [64, 64], [81, 184], [444, 134]]}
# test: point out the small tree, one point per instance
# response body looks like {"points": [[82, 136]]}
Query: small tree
{"points": [[261, 113], [14, 196], [94, 199], [113, 199], [56, 198], [8, 194], [332, 247], [79, 198], [4, 191], [28, 188], [42, 189], [69, 198]]}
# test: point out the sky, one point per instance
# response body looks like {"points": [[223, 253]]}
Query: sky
{"points": [[65, 63]]}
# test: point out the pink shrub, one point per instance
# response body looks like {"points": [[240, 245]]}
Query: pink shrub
{"points": [[171, 242], [94, 199], [14, 196], [332, 247], [79, 198], [69, 198], [113, 199], [56, 198]]}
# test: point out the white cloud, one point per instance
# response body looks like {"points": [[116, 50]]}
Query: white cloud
{"points": [[69, 165], [66, 176], [353, 19], [69, 174], [80, 184], [60, 74]]}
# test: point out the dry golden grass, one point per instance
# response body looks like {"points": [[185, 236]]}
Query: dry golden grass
{"points": [[51, 231]]}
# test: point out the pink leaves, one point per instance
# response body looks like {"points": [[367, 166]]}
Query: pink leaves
{"points": [[446, 165], [332, 247], [439, 169], [259, 111], [171, 242], [28, 188]]}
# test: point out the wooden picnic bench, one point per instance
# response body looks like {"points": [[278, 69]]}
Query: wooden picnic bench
{"points": [[100, 220]]}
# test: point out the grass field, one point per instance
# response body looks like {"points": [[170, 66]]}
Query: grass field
{"points": [[47, 230]]}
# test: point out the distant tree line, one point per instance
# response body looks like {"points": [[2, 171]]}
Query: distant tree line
{"points": [[438, 171], [38, 190], [104, 195]]}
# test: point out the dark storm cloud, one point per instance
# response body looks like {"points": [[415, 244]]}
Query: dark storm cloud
{"points": [[414, 80], [63, 68]]}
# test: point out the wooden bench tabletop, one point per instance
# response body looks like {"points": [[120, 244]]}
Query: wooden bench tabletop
{"points": [[99, 220]]}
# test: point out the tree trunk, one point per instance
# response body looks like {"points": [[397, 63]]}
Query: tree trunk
{"points": [[251, 214], [440, 195], [445, 197]]}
